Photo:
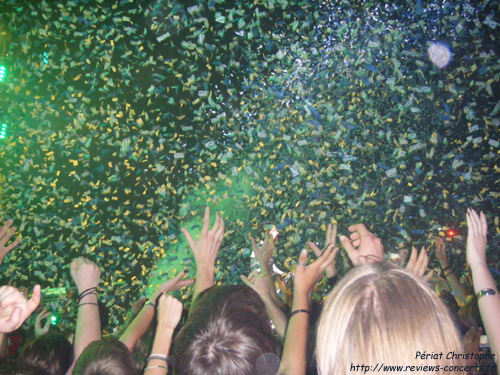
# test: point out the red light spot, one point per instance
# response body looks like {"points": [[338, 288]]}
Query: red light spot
{"points": [[451, 233]]}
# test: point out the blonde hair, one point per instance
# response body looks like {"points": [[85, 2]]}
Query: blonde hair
{"points": [[382, 315]]}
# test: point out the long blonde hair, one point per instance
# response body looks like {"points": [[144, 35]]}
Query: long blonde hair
{"points": [[382, 315]]}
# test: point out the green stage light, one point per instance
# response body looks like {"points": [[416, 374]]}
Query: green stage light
{"points": [[2, 72], [53, 320]]}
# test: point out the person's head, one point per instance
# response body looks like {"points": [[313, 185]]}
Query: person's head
{"points": [[469, 313], [383, 314], [228, 332], [51, 352], [12, 366], [105, 357]]}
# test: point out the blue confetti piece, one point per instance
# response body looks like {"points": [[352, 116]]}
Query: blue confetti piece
{"points": [[372, 68], [284, 223], [382, 166]]}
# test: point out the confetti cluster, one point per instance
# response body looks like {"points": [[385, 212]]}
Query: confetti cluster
{"points": [[126, 118]]}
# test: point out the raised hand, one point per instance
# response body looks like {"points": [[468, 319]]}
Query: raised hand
{"points": [[264, 253], [171, 285], [206, 247], [331, 237], [6, 232], [418, 264], [307, 275], [476, 238], [15, 308], [440, 250], [39, 329], [362, 246], [85, 274], [169, 312], [258, 283]]}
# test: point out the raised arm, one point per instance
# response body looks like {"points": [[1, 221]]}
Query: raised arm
{"points": [[484, 284], [362, 246], [264, 254], [86, 276], [205, 250], [169, 315], [140, 324], [259, 283], [293, 361], [457, 289], [6, 232]]}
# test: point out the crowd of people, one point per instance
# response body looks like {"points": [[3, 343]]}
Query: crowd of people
{"points": [[380, 317]]}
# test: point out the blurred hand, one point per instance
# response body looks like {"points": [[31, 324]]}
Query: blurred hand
{"points": [[39, 329], [440, 249], [418, 264], [331, 237], [171, 285], [169, 312], [362, 246], [6, 232], [85, 274], [264, 253], [15, 308], [137, 305], [207, 245], [471, 343], [307, 275], [258, 283], [476, 238]]}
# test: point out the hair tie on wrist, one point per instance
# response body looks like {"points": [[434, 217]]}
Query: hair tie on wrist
{"points": [[86, 292], [149, 303], [299, 311], [485, 292]]}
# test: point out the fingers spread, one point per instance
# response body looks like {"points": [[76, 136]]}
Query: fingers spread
{"points": [[303, 257], [346, 244], [35, 299], [206, 221], [315, 248], [359, 228], [188, 237]]}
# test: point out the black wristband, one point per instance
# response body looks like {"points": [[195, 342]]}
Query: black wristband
{"points": [[298, 311]]}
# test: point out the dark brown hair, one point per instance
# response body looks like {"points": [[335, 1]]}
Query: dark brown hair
{"points": [[51, 352], [105, 357], [226, 333]]}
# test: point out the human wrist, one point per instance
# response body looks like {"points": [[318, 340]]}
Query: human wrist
{"points": [[164, 328], [85, 286], [443, 262], [300, 300], [479, 267]]}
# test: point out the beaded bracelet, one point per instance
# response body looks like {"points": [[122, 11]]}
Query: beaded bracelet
{"points": [[161, 357], [149, 303], [485, 292]]}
